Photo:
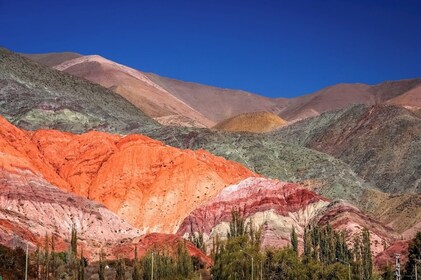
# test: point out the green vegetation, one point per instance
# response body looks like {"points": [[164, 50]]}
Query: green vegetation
{"points": [[326, 255], [164, 265]]}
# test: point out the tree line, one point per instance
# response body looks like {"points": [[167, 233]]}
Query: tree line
{"points": [[324, 254]]}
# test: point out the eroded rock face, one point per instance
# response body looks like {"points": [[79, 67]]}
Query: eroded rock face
{"points": [[30, 208], [150, 185], [276, 207]]}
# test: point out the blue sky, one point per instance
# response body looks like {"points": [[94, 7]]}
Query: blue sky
{"points": [[274, 48]]}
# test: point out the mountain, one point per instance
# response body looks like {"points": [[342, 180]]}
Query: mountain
{"points": [[215, 103], [133, 85], [411, 98], [158, 96], [272, 155], [204, 105], [327, 99], [150, 186], [341, 96], [34, 96], [381, 143], [256, 122]]}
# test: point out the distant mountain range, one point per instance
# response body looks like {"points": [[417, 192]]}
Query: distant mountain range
{"points": [[193, 104], [349, 154]]}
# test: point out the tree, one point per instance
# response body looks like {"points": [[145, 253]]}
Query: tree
{"points": [[53, 257], [120, 270], [184, 261], [294, 241], [307, 245], [101, 269], [46, 266], [237, 225], [367, 262], [73, 241], [136, 270], [197, 239], [229, 256], [414, 254]]}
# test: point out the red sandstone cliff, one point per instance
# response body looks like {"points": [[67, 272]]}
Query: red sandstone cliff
{"points": [[151, 185]]}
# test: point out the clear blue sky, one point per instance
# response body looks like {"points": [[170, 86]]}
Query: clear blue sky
{"points": [[274, 48]]}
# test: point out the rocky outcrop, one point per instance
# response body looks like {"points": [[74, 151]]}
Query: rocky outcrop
{"points": [[275, 207], [149, 184]]}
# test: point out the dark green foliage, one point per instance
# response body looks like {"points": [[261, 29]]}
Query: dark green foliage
{"points": [[81, 267], [136, 274], [388, 273], [237, 227], [326, 255], [232, 257], [367, 262], [46, 259], [120, 269], [414, 255], [53, 262], [197, 238], [323, 244], [12, 263], [73, 241], [294, 240], [167, 266]]}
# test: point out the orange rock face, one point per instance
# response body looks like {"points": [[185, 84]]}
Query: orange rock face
{"points": [[150, 185]]}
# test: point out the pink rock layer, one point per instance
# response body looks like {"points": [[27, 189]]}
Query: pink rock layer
{"points": [[275, 207]]}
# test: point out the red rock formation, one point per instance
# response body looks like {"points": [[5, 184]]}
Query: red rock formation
{"points": [[276, 207], [150, 185], [30, 207]]}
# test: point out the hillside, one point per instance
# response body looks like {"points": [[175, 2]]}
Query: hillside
{"points": [[149, 186], [381, 143], [256, 122], [276, 207], [215, 103], [140, 179], [34, 96], [133, 85]]}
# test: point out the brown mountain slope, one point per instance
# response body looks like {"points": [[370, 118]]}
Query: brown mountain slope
{"points": [[391, 89], [327, 99], [411, 98], [215, 103], [52, 59], [252, 122], [339, 96], [133, 85]]}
